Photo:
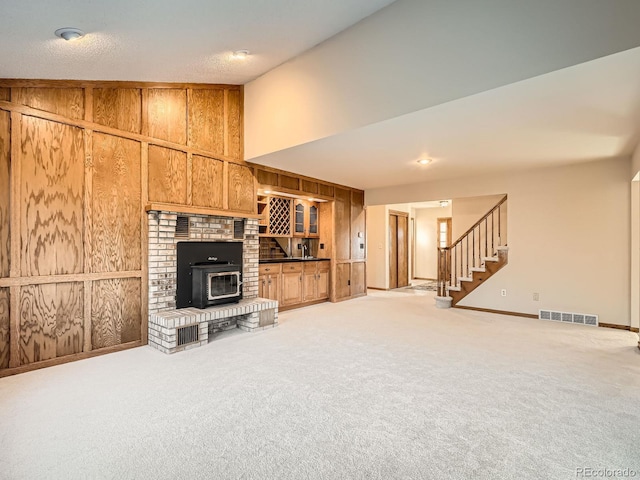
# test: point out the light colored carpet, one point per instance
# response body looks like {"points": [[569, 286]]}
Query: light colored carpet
{"points": [[382, 387]]}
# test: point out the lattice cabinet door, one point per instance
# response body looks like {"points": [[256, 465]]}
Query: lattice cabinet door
{"points": [[280, 216]]}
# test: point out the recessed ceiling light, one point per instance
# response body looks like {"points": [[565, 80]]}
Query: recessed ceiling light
{"points": [[69, 33], [424, 161], [241, 54], [444, 203]]}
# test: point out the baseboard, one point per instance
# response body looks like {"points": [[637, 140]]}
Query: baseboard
{"points": [[500, 312], [423, 278], [377, 288], [635, 329], [300, 305], [618, 327]]}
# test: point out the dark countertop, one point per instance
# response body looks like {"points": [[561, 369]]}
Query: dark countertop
{"points": [[292, 259]]}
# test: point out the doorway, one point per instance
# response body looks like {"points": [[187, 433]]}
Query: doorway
{"points": [[398, 249]]}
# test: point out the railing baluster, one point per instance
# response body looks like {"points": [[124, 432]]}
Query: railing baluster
{"points": [[492, 229]]}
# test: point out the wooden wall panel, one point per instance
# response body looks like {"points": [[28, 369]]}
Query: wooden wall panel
{"points": [[266, 177], [342, 221], [206, 120], [5, 94], [292, 183], [167, 175], [68, 102], [116, 312], [119, 108], [5, 183], [357, 225], [234, 129], [309, 186], [116, 204], [324, 189], [4, 328], [167, 114], [241, 189], [51, 198], [207, 181], [51, 321], [358, 279]]}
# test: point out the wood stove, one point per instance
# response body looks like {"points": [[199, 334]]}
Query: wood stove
{"points": [[209, 273]]}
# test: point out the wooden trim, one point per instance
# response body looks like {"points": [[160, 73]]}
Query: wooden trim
{"points": [[87, 316], [190, 178], [144, 113], [169, 207], [15, 170], [635, 329], [225, 123], [378, 288], [242, 123], [68, 358], [71, 277], [398, 213], [423, 278], [31, 83], [14, 327], [88, 228], [88, 104], [617, 327], [300, 305], [96, 127], [144, 243], [225, 186], [299, 194], [500, 312]]}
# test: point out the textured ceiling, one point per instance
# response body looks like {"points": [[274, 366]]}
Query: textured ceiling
{"points": [[166, 41]]}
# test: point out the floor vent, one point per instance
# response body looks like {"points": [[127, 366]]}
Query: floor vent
{"points": [[182, 227], [568, 317], [188, 334]]}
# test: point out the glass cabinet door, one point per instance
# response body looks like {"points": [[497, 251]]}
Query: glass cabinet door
{"points": [[299, 219]]}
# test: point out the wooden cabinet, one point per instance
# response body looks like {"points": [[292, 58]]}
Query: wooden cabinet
{"points": [[291, 284], [275, 218], [294, 283], [351, 280], [269, 281], [305, 219], [316, 281]]}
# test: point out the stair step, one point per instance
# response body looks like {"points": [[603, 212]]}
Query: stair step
{"points": [[478, 269], [465, 279], [490, 259], [455, 289]]}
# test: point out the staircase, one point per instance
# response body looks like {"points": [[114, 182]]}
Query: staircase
{"points": [[474, 257], [270, 248]]}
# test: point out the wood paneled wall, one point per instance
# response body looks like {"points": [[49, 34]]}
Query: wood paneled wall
{"points": [[79, 163]]}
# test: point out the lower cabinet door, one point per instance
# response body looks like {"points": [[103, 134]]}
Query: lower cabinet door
{"points": [[323, 285], [274, 287], [309, 287], [291, 288], [343, 281], [358, 279]]}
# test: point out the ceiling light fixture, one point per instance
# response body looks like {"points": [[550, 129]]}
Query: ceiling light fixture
{"points": [[444, 203], [241, 54], [69, 33], [424, 161]]}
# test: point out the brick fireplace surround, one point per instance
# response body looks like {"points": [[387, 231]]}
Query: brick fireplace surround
{"points": [[163, 316]]}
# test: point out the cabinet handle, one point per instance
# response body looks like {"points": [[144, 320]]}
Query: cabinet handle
{"points": [[267, 269], [269, 281]]}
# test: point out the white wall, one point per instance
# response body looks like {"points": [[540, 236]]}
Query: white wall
{"points": [[569, 236], [467, 211], [426, 253], [386, 66]]}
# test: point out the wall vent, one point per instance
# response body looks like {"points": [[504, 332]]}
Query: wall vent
{"points": [[568, 317], [182, 227], [188, 334]]}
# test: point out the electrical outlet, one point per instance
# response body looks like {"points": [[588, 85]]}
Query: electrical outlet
{"points": [[536, 297], [503, 292]]}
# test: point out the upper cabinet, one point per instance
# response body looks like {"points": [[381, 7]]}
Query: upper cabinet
{"points": [[305, 219]]}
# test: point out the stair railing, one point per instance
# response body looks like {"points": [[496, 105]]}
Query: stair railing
{"points": [[469, 251]]}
